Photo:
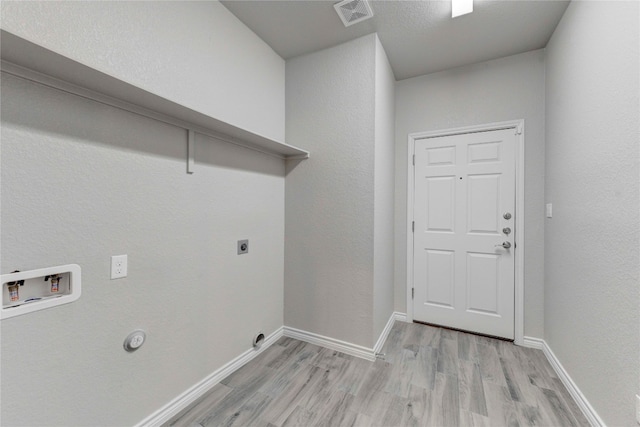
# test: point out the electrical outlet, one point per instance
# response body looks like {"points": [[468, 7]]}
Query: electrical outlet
{"points": [[118, 266], [638, 408], [243, 247], [549, 210]]}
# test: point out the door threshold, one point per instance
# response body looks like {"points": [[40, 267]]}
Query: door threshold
{"points": [[466, 332]]}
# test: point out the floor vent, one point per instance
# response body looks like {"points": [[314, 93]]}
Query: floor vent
{"points": [[353, 11]]}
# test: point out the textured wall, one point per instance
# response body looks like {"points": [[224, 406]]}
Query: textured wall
{"points": [[504, 89], [592, 304], [329, 228], [180, 50], [82, 182], [383, 266]]}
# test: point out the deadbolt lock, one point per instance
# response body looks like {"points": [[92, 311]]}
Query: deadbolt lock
{"points": [[507, 215], [506, 230]]}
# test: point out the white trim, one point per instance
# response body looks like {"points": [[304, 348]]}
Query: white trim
{"points": [[384, 334], [173, 408], [344, 346], [400, 317], [532, 342], [410, 193], [331, 343], [518, 126], [519, 236], [582, 402]]}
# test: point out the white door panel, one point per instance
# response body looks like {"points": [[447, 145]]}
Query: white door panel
{"points": [[463, 186], [483, 203], [440, 278], [483, 272], [441, 203]]}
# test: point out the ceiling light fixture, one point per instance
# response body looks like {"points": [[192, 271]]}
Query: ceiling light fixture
{"points": [[461, 7]]}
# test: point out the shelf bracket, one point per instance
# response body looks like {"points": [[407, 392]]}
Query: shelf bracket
{"points": [[191, 148]]}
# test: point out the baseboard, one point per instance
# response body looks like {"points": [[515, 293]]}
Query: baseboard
{"points": [[331, 343], [400, 317], [343, 346], [532, 342], [173, 408], [384, 334], [582, 402]]}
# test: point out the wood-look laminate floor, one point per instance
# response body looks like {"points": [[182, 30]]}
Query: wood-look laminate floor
{"points": [[429, 377]]}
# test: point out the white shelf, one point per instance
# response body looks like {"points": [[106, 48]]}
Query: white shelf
{"points": [[35, 293], [28, 60]]}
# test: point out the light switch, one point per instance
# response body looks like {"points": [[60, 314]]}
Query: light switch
{"points": [[549, 210]]}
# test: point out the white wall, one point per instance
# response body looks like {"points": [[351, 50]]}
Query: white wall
{"points": [[383, 266], [592, 242], [499, 90], [82, 182], [194, 53], [329, 229], [339, 207]]}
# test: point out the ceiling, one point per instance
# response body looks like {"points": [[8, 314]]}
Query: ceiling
{"points": [[420, 37]]}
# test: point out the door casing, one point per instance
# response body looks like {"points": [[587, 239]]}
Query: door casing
{"points": [[518, 128]]}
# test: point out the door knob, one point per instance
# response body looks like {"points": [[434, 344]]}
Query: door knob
{"points": [[507, 215], [505, 245]]}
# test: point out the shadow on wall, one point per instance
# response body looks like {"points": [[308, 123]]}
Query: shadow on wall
{"points": [[91, 122], [291, 164]]}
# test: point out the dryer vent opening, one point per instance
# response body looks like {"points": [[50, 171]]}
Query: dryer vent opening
{"points": [[258, 340]]}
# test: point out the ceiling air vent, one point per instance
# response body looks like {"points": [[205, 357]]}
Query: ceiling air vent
{"points": [[353, 11]]}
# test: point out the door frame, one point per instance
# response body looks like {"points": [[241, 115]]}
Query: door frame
{"points": [[518, 127]]}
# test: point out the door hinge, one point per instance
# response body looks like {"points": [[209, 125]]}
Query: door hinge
{"points": [[414, 160], [413, 226], [413, 292]]}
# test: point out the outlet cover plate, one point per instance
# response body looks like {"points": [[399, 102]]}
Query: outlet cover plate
{"points": [[118, 266], [243, 247]]}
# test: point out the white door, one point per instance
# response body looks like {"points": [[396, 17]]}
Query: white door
{"points": [[464, 205]]}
